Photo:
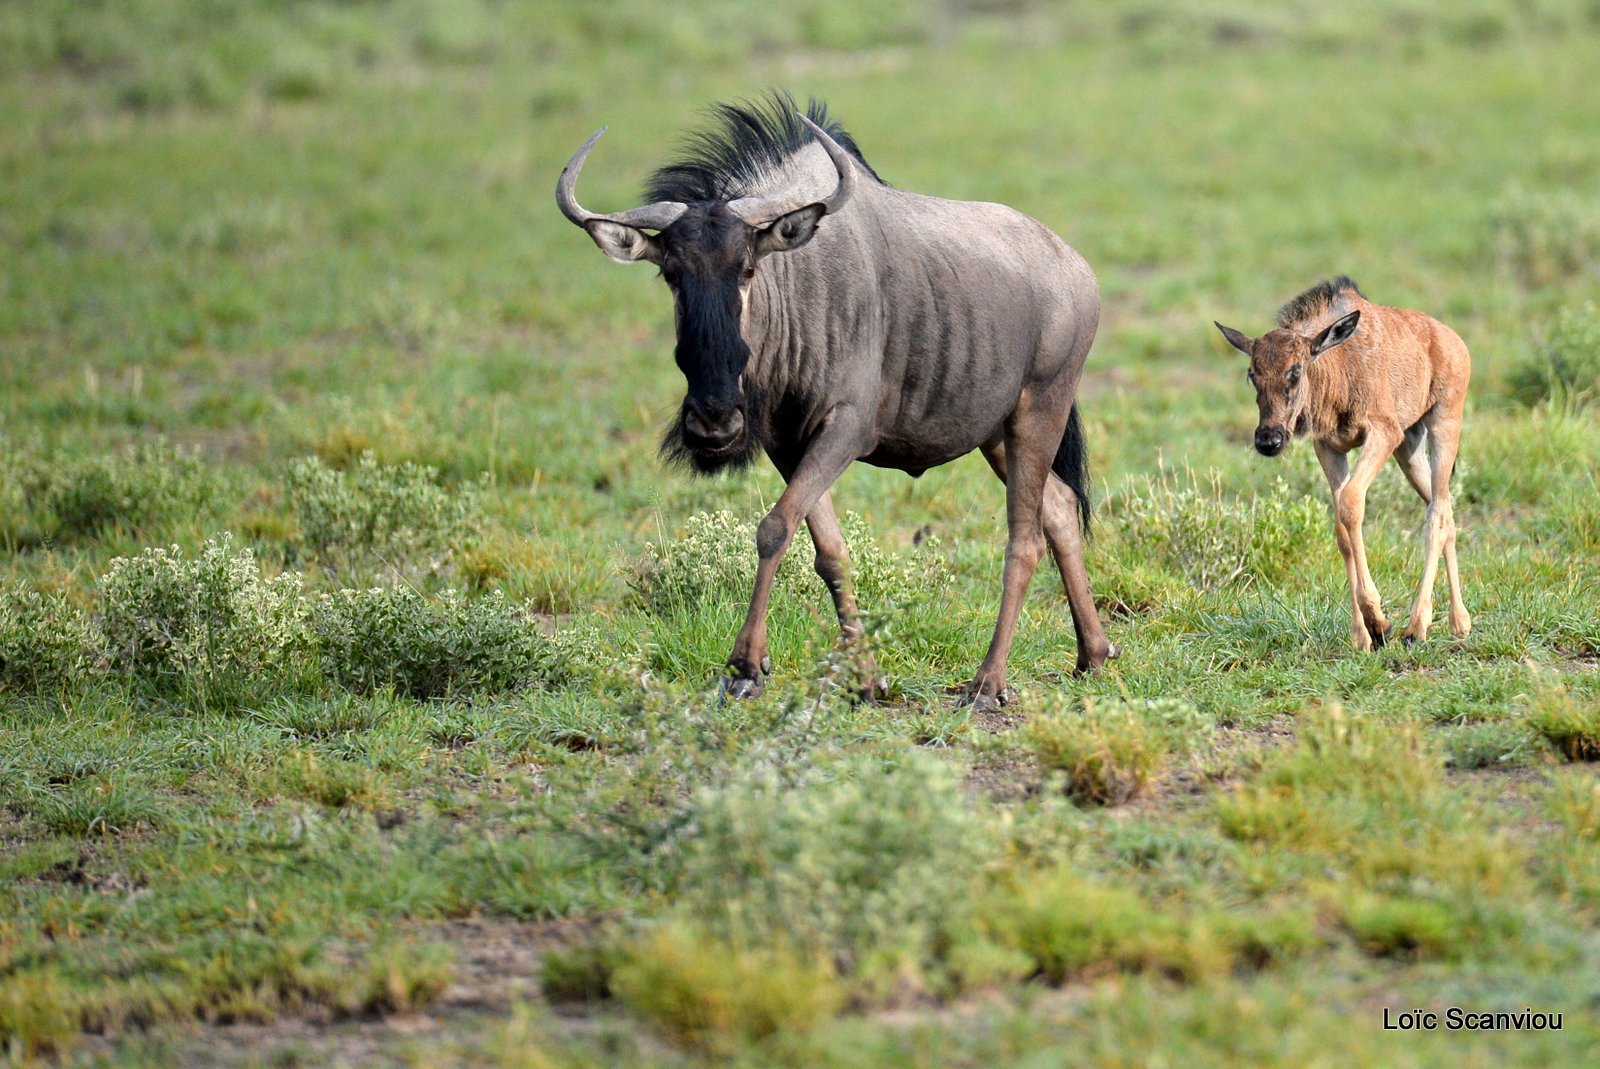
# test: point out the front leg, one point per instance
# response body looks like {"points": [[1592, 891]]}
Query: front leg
{"points": [[833, 566], [836, 445], [1368, 626]]}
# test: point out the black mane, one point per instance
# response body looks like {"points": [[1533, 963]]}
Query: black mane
{"points": [[753, 139], [1317, 299]]}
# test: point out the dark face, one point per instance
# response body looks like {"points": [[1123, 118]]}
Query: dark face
{"points": [[708, 259], [1278, 364]]}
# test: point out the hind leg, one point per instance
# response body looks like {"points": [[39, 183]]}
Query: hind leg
{"points": [[1026, 462], [1444, 431], [1060, 515], [1413, 460]]}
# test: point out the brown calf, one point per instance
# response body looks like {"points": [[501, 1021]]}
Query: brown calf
{"points": [[1353, 374]]}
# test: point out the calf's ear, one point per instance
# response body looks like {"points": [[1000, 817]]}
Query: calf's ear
{"points": [[624, 244], [788, 232], [1235, 338], [1334, 333]]}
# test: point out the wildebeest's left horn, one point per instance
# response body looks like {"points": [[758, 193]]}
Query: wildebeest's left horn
{"points": [[758, 211], [657, 216]]}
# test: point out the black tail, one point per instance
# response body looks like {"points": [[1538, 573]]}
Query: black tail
{"points": [[1072, 466]]}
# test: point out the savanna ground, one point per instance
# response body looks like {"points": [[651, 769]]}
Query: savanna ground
{"points": [[403, 746]]}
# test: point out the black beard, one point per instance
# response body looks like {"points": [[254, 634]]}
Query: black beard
{"points": [[678, 453]]}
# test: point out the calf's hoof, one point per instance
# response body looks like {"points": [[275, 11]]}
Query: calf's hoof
{"points": [[1090, 664]]}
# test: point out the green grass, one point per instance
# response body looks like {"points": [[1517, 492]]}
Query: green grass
{"points": [[424, 700]]}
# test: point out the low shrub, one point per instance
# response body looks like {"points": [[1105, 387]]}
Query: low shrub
{"points": [[707, 993], [1068, 926], [872, 867], [1407, 928], [428, 647], [1491, 744], [715, 561], [210, 629], [43, 640], [1571, 725], [393, 511], [1189, 527], [68, 497], [1111, 751]]}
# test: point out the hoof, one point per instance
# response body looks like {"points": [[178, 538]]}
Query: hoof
{"points": [[741, 688], [979, 702], [873, 689], [1087, 667]]}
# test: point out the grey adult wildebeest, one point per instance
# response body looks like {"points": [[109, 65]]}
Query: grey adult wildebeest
{"points": [[1353, 374], [825, 317]]}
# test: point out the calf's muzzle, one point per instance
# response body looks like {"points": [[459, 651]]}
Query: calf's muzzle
{"points": [[1271, 440]]}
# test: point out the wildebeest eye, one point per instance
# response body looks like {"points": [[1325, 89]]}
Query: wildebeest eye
{"points": [[1294, 375], [1251, 375]]}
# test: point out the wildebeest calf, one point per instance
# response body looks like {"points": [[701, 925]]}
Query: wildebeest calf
{"points": [[1352, 374]]}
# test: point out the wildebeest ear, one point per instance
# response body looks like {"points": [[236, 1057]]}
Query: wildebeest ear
{"points": [[1334, 333], [624, 244], [1235, 338], [788, 232]]}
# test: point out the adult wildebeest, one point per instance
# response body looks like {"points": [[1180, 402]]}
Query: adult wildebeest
{"points": [[826, 317], [1351, 374]]}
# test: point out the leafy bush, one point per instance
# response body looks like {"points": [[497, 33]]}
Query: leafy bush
{"points": [[208, 629], [1189, 527], [1493, 744], [872, 868], [1408, 928], [709, 994], [1544, 238], [1067, 924], [715, 562], [43, 638], [1572, 725], [69, 497], [428, 647], [1565, 364], [380, 510], [1112, 751]]}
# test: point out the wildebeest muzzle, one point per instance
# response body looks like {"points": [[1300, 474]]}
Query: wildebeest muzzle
{"points": [[1271, 440]]}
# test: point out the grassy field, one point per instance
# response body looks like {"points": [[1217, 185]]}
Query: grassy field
{"points": [[359, 660]]}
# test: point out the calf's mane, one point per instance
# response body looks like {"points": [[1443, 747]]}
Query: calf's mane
{"points": [[1316, 301]]}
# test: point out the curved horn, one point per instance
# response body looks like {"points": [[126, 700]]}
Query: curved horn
{"points": [[758, 211], [841, 161], [657, 216]]}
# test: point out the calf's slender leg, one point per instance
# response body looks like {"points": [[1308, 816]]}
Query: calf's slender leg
{"points": [[1368, 627], [1445, 431], [1060, 513], [1411, 458], [831, 452]]}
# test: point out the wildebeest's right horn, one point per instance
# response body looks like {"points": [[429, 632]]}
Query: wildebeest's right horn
{"points": [[759, 211], [841, 161], [657, 216]]}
